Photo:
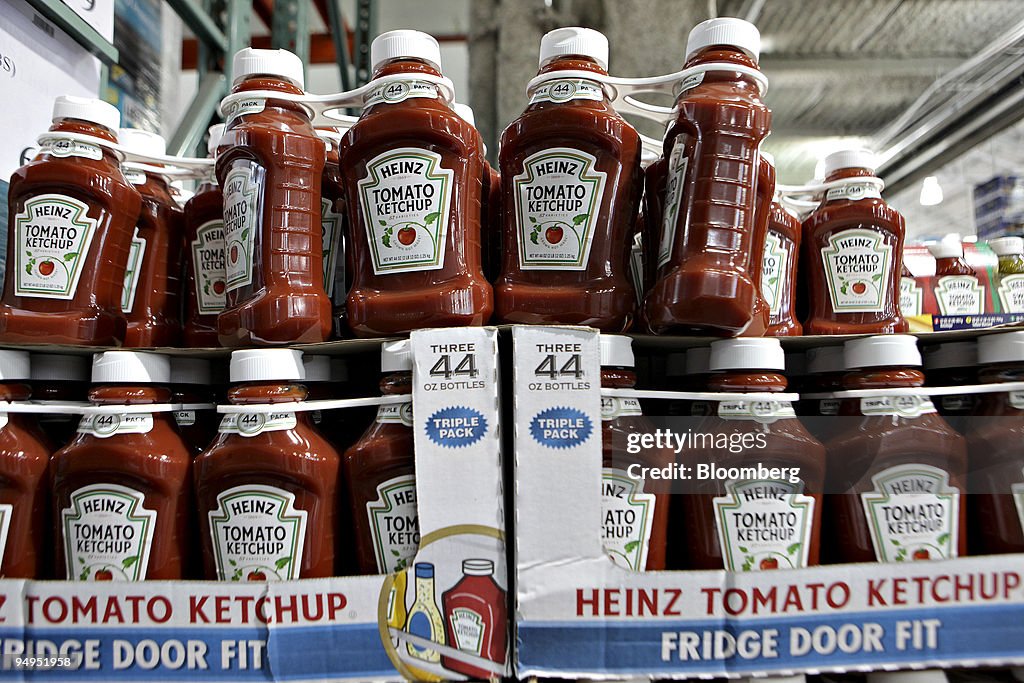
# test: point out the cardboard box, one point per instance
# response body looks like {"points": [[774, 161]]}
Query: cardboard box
{"points": [[580, 615], [314, 629]]}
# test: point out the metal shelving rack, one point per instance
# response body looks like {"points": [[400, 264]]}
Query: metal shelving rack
{"points": [[222, 27]]}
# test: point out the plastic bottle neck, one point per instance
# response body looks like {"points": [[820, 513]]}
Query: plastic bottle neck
{"points": [[952, 265], [572, 63], [721, 53], [281, 391], [261, 82], [893, 377], [83, 128], [15, 391], [745, 381], [128, 394], [405, 65], [618, 378], [1002, 372], [396, 383]]}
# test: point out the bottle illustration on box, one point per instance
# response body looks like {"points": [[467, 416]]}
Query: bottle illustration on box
{"points": [[397, 611], [425, 618], [474, 610]]}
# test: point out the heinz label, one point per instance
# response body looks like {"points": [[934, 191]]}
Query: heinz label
{"points": [[208, 265], [394, 524], [105, 425], [52, 235], [257, 534], [960, 295], [64, 148], [108, 533], [857, 264], [913, 514], [253, 424], [468, 627], [627, 517], [405, 199], [764, 524], [558, 200], [1011, 293], [853, 192], [330, 226], [393, 92], [136, 255], [897, 406], [911, 297], [774, 266], [6, 511], [675, 179], [243, 197]]}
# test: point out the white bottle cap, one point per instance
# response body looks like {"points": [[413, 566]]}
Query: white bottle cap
{"points": [[258, 365], [849, 158], [698, 360], [747, 353], [825, 359], [574, 40], [675, 365], [215, 133], [465, 112], [1006, 347], [925, 676], [142, 142], [280, 63], [339, 370], [616, 351], [396, 356], [725, 31], [1007, 246], [188, 370], [318, 368], [405, 44], [882, 351], [60, 367], [14, 365], [130, 366], [478, 567], [946, 249], [962, 354], [87, 109]]}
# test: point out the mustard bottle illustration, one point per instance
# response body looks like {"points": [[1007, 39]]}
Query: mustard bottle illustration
{"points": [[425, 617], [396, 602]]}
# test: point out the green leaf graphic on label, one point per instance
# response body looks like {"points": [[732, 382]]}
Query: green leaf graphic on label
{"points": [[576, 220], [282, 563], [431, 218], [129, 561]]}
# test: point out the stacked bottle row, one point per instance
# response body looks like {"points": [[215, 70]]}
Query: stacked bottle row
{"points": [[398, 222], [275, 491], [864, 467], [276, 485]]}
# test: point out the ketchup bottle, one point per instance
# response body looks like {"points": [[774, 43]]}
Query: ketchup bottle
{"points": [[957, 291], [71, 213], [121, 488], [779, 269], [475, 617], [270, 476], [204, 257], [59, 378], [490, 205], [853, 254], [755, 523], [639, 544], [994, 452], [24, 458], [826, 368], [704, 280], [761, 313], [413, 172], [1010, 251], [953, 364], [151, 297], [192, 388], [381, 473], [655, 177], [899, 461], [333, 227], [269, 165], [571, 185]]}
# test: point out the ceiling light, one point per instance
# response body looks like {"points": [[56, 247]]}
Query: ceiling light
{"points": [[931, 191]]}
